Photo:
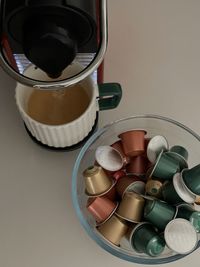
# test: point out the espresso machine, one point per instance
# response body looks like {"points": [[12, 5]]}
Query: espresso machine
{"points": [[51, 34]]}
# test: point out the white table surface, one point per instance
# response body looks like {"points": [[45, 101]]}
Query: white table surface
{"points": [[154, 52]]}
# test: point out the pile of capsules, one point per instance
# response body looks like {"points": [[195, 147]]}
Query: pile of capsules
{"points": [[142, 190]]}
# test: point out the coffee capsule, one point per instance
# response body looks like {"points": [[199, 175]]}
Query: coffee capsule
{"points": [[108, 173], [187, 212], [118, 175], [138, 165], [109, 158], [137, 187], [96, 181], [165, 167], [169, 193], [180, 154], [181, 189], [145, 239], [184, 211], [124, 183], [159, 213], [154, 188], [180, 236], [181, 151], [182, 162], [112, 193], [197, 200], [133, 142], [101, 208], [131, 207], [113, 230], [118, 146], [191, 178], [156, 145]]}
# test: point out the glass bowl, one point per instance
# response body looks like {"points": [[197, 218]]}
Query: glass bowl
{"points": [[176, 134]]}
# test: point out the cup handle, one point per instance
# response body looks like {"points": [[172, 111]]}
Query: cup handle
{"points": [[110, 95]]}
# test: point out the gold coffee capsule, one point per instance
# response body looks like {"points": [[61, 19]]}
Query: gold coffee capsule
{"points": [[197, 200], [114, 229], [96, 181], [131, 207], [154, 188]]}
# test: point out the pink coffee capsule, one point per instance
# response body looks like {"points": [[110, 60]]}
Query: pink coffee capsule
{"points": [[101, 208]]}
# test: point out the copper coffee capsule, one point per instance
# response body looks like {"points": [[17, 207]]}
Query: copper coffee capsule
{"points": [[101, 208], [138, 165], [96, 181], [133, 142], [124, 183], [118, 146], [113, 230], [131, 207]]}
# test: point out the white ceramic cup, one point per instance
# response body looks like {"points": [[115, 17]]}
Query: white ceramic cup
{"points": [[105, 96]]}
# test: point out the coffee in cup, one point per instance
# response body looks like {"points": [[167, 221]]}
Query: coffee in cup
{"points": [[58, 107]]}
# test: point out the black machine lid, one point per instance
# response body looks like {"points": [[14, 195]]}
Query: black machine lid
{"points": [[50, 35]]}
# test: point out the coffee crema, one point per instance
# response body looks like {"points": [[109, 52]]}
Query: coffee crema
{"points": [[58, 107]]}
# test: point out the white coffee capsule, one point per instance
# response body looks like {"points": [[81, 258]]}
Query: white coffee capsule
{"points": [[157, 144], [181, 190], [109, 158], [181, 236]]}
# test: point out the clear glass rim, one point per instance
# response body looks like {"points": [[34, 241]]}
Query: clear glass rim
{"points": [[84, 223]]}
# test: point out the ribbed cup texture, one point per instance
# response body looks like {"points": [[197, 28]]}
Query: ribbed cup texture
{"points": [[63, 135]]}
